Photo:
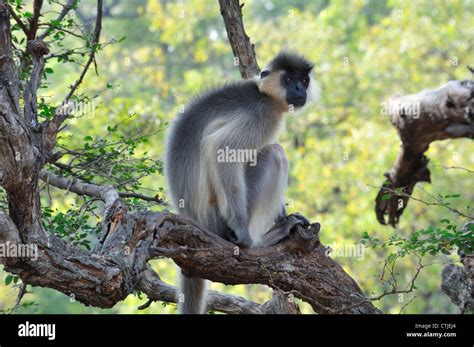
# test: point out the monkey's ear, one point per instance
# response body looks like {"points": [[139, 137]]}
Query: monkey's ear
{"points": [[264, 73]]}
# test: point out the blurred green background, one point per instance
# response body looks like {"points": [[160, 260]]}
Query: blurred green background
{"points": [[364, 52]]}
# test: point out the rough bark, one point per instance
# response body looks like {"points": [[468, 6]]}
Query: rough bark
{"points": [[156, 290], [118, 265], [431, 115], [242, 48], [296, 266], [457, 282]]}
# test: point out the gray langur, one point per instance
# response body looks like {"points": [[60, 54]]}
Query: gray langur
{"points": [[223, 167]]}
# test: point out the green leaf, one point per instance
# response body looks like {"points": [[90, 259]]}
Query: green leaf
{"points": [[8, 279], [391, 257], [385, 197]]}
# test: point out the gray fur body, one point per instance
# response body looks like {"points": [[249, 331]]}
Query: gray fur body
{"points": [[191, 189], [250, 125], [235, 200]]}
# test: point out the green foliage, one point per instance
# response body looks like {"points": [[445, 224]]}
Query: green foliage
{"points": [[11, 279], [113, 158], [72, 225], [432, 241]]}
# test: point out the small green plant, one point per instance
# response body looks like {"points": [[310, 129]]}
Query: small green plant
{"points": [[432, 241], [72, 225]]}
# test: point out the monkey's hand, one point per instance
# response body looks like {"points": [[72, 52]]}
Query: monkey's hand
{"points": [[240, 237], [304, 222], [283, 228]]}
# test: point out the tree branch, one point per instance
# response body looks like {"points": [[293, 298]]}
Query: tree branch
{"points": [[15, 143], [298, 266], [242, 48], [431, 115], [18, 21], [9, 80], [34, 19], [66, 8], [53, 126], [156, 290], [94, 43], [89, 189], [105, 193], [128, 241], [37, 49]]}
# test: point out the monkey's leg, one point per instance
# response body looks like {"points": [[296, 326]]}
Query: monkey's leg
{"points": [[231, 196], [266, 185], [192, 293]]}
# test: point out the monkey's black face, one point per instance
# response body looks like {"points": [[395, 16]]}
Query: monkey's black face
{"points": [[296, 86]]}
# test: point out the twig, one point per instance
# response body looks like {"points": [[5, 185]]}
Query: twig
{"points": [[17, 19], [408, 303], [453, 168], [61, 117], [34, 20], [95, 41], [21, 293], [64, 12], [94, 190], [141, 197], [145, 305], [438, 202], [408, 289], [88, 188]]}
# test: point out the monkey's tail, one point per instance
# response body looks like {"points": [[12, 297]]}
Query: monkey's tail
{"points": [[192, 295]]}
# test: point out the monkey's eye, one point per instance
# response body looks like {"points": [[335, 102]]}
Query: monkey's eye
{"points": [[288, 80], [264, 73], [305, 81]]}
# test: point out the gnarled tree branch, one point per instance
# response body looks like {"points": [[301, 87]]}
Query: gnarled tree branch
{"points": [[431, 115], [118, 264], [156, 290]]}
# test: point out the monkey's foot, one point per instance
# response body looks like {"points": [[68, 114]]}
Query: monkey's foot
{"points": [[303, 219], [240, 238], [283, 228]]}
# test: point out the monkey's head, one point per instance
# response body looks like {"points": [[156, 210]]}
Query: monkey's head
{"points": [[287, 79]]}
